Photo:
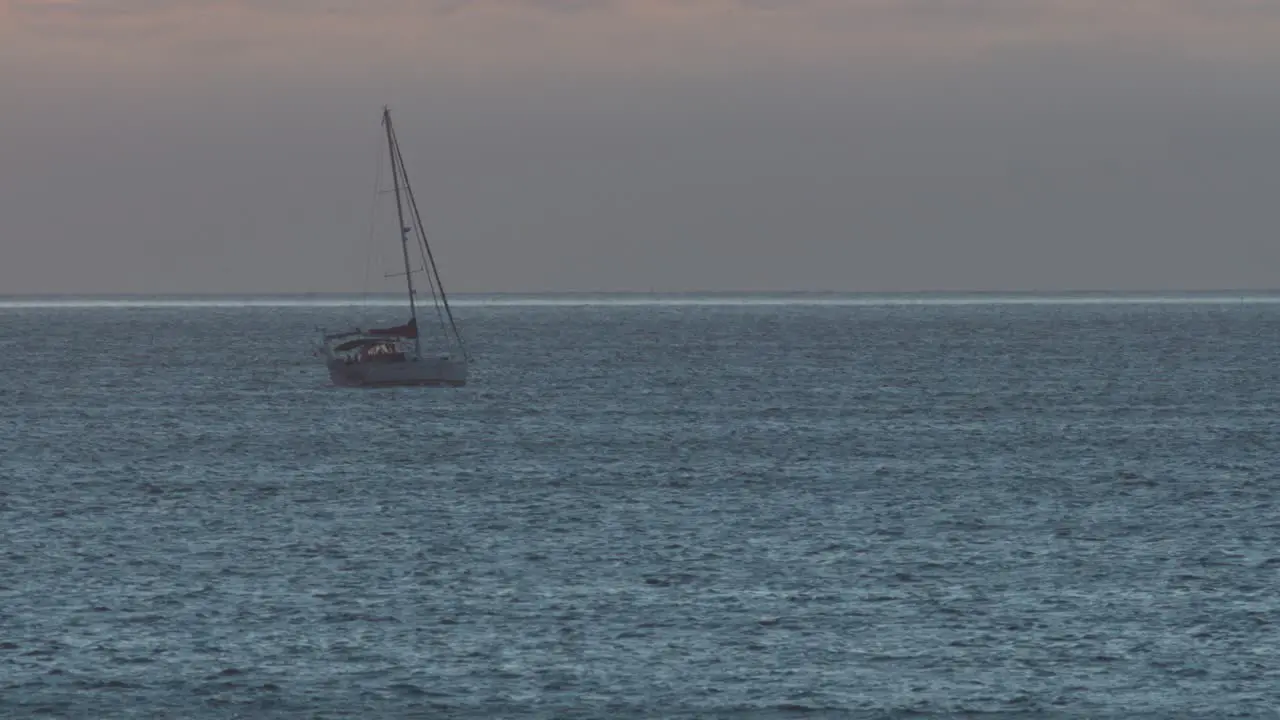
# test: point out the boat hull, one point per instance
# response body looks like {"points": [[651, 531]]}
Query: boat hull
{"points": [[420, 372]]}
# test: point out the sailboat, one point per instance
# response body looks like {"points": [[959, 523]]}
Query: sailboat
{"points": [[397, 356]]}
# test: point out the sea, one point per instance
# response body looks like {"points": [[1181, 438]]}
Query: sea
{"points": [[644, 506]]}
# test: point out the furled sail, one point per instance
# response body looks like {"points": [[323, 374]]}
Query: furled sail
{"points": [[407, 330]]}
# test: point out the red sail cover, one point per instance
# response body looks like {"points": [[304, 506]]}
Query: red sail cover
{"points": [[407, 330]]}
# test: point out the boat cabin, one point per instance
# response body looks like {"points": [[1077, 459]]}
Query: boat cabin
{"points": [[364, 350]]}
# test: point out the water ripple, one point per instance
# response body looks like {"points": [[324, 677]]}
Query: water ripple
{"points": [[881, 511]]}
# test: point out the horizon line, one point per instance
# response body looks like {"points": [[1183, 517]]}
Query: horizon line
{"points": [[640, 298]]}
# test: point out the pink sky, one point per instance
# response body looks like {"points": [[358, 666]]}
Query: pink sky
{"points": [[487, 37]]}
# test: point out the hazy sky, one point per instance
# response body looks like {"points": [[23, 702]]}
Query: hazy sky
{"points": [[867, 145]]}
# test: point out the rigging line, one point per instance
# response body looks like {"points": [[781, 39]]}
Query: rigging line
{"points": [[437, 293], [435, 296], [417, 217], [420, 234], [373, 219], [396, 171], [435, 299], [426, 264]]}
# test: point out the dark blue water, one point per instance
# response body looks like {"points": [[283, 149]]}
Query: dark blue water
{"points": [[664, 511]]}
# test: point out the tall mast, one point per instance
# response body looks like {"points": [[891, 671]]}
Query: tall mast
{"points": [[404, 231]]}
